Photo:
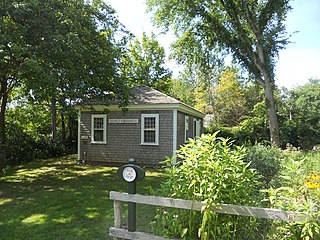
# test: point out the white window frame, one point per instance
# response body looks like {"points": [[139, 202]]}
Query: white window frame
{"points": [[197, 128], [156, 116], [186, 128], [104, 117]]}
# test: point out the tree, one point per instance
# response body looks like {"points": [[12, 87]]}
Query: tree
{"points": [[182, 91], [144, 64], [299, 116], [58, 50], [229, 99], [252, 31]]}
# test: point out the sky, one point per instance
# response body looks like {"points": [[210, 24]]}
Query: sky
{"points": [[296, 64]]}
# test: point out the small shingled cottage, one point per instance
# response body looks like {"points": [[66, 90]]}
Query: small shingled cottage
{"points": [[153, 128]]}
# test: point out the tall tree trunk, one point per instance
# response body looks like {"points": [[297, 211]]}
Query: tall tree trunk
{"points": [[73, 127], [273, 121], [3, 107], [53, 118], [266, 82], [63, 129]]}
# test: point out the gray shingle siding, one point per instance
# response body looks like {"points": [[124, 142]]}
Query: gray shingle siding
{"points": [[124, 139], [181, 128]]}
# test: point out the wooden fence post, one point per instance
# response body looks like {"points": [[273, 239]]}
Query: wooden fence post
{"points": [[117, 216]]}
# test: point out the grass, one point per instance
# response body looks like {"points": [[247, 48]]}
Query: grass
{"points": [[57, 199]]}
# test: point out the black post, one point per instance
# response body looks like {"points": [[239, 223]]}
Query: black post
{"points": [[131, 173], [132, 189]]}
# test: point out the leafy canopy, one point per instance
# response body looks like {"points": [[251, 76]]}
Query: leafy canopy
{"points": [[144, 64], [252, 31], [60, 46]]}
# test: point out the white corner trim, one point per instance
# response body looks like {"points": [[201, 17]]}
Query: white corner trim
{"points": [[186, 128], [174, 133], [79, 133]]}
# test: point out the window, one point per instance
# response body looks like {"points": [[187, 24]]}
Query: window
{"points": [[98, 128], [150, 129], [186, 128], [196, 128]]}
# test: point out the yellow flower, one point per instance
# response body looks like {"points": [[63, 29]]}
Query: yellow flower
{"points": [[315, 177]]}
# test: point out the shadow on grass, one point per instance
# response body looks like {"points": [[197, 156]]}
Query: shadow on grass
{"points": [[57, 199]]}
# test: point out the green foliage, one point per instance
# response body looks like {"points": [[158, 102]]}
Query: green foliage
{"points": [[144, 64], [256, 124], [26, 147], [253, 32], [59, 52], [29, 134], [299, 115], [298, 112], [266, 160], [207, 28], [203, 94], [182, 91], [236, 134], [296, 195], [214, 171], [229, 100]]}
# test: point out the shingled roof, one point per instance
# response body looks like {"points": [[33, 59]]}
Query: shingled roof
{"points": [[147, 95]]}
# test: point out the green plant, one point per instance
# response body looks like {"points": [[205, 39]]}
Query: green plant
{"points": [[25, 147], [295, 194], [265, 159], [211, 170]]}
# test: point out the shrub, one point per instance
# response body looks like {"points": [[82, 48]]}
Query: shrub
{"points": [[241, 134], [211, 170], [21, 146], [265, 159], [24, 147]]}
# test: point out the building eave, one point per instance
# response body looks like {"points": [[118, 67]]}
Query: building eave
{"points": [[160, 106]]}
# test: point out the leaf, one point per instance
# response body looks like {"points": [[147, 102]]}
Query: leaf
{"points": [[288, 189], [184, 232]]}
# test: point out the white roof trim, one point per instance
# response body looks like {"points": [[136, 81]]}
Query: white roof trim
{"points": [[161, 106]]}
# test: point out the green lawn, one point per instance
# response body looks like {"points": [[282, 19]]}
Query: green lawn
{"points": [[57, 199]]}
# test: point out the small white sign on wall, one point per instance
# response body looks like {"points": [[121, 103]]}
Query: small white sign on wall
{"points": [[123, 121]]}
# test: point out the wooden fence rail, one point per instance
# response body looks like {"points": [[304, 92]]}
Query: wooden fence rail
{"points": [[118, 197]]}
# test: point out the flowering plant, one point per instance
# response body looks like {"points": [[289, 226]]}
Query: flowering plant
{"points": [[313, 181]]}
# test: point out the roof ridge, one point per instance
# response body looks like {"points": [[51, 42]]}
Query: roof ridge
{"points": [[159, 92]]}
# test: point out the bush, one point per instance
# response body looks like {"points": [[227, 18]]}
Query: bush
{"points": [[265, 159], [22, 147], [241, 134], [211, 170]]}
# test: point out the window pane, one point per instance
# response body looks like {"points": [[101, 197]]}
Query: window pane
{"points": [[150, 123], [150, 129], [98, 123], [98, 135], [150, 136]]}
